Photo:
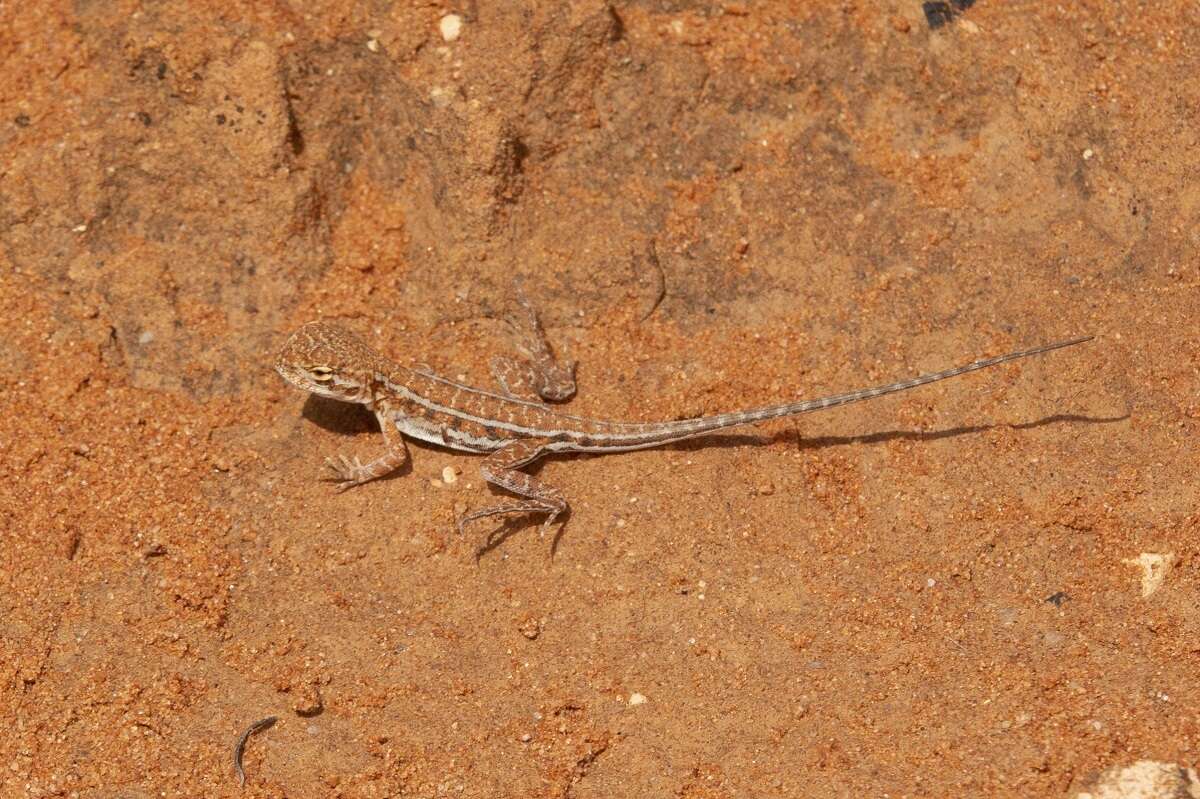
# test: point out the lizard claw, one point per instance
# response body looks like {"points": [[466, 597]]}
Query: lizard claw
{"points": [[346, 473], [548, 522]]}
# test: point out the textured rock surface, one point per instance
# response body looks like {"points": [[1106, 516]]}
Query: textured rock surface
{"points": [[715, 205]]}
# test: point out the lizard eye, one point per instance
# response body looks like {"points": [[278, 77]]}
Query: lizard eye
{"points": [[321, 373]]}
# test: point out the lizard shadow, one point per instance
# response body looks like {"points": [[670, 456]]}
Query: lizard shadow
{"points": [[510, 527], [742, 439], [819, 442], [515, 524], [351, 419]]}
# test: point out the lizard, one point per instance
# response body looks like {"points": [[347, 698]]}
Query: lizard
{"points": [[512, 426]]}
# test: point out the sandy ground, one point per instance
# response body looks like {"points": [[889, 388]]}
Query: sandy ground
{"points": [[715, 205]]}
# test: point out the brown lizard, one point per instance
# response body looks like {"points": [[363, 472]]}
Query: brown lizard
{"points": [[512, 425]]}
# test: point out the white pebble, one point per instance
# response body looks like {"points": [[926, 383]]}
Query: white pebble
{"points": [[1146, 778], [637, 699], [450, 26], [450, 474], [1155, 567], [1087, 154]]}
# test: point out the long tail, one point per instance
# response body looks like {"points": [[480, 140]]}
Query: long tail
{"points": [[672, 431]]}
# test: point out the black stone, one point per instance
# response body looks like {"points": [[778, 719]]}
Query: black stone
{"points": [[937, 14], [1057, 598]]}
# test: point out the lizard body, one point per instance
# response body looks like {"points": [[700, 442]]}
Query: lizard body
{"points": [[512, 426]]}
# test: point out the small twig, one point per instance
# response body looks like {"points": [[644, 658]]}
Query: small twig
{"points": [[261, 724], [652, 257]]}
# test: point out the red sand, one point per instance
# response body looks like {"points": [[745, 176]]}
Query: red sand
{"points": [[853, 604]]}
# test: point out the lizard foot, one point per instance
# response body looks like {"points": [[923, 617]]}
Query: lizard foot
{"points": [[346, 473]]}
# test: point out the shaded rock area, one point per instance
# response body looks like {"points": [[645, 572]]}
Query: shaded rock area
{"points": [[715, 205]]}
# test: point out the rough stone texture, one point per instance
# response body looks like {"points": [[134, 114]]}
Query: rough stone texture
{"points": [[716, 205]]}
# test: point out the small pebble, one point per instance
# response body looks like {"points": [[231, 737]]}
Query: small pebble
{"points": [[308, 701], [450, 27], [373, 45], [1087, 154], [70, 544], [637, 699], [526, 738], [450, 474], [1146, 779], [530, 628], [1155, 567], [1058, 598]]}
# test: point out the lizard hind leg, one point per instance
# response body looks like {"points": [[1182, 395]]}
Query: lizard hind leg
{"points": [[539, 375], [501, 468]]}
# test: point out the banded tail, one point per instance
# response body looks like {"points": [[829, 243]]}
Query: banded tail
{"points": [[649, 435]]}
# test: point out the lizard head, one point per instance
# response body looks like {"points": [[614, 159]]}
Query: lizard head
{"points": [[329, 360]]}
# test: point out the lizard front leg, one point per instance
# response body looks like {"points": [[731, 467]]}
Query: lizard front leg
{"points": [[347, 472], [538, 375], [501, 469]]}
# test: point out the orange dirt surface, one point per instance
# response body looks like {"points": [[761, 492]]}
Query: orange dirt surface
{"points": [[715, 205]]}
